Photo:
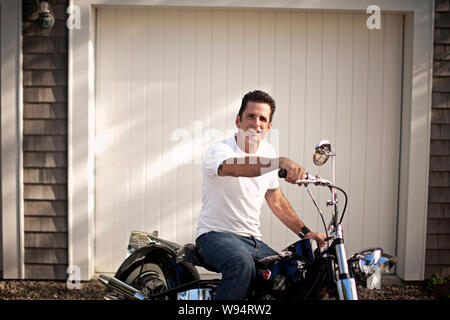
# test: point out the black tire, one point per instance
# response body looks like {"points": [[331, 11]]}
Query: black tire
{"points": [[150, 280]]}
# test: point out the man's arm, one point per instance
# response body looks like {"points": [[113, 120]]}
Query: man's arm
{"points": [[256, 166], [247, 166], [282, 209]]}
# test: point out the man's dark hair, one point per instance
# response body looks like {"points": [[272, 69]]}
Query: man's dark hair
{"points": [[257, 96]]}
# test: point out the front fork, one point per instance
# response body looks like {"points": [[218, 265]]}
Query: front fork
{"points": [[346, 285]]}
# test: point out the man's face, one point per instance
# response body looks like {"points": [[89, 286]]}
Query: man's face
{"points": [[254, 123]]}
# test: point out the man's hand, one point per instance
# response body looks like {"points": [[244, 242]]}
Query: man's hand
{"points": [[320, 237], [294, 171]]}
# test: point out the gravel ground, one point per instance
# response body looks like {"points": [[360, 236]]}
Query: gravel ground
{"points": [[49, 290], [406, 291], [94, 290]]}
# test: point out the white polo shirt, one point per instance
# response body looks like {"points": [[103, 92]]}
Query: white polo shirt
{"points": [[233, 204]]}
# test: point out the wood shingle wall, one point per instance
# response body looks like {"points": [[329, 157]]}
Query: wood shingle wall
{"points": [[45, 143], [438, 224]]}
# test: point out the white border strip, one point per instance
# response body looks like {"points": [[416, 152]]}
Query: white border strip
{"points": [[415, 131]]}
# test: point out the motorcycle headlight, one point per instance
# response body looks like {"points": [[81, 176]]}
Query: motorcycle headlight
{"points": [[369, 265]]}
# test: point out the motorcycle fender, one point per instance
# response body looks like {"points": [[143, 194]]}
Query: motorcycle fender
{"points": [[165, 258]]}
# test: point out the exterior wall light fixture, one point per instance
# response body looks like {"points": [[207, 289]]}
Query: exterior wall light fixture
{"points": [[46, 18]]}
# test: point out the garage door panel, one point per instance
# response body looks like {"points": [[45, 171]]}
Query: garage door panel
{"points": [[297, 90], [138, 114], [373, 140], [234, 63], [281, 89], [329, 74], [171, 42], [313, 120], [265, 83], [266, 51], [186, 114], [104, 139], [251, 49], [169, 81], [344, 105], [218, 118], [358, 124], [202, 107]]}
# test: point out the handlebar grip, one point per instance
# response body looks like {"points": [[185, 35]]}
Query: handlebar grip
{"points": [[282, 173]]}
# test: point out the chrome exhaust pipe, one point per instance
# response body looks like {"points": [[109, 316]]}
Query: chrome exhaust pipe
{"points": [[121, 287]]}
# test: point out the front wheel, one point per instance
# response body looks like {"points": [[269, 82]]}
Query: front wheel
{"points": [[150, 279]]}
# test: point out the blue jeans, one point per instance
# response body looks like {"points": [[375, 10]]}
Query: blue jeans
{"points": [[234, 256]]}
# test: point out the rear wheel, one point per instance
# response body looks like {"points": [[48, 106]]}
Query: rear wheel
{"points": [[150, 279]]}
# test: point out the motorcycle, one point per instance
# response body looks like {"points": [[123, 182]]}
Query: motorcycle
{"points": [[157, 269]]}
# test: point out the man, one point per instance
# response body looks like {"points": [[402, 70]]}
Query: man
{"points": [[238, 173]]}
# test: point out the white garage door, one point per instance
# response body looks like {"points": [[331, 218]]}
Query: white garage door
{"points": [[169, 82]]}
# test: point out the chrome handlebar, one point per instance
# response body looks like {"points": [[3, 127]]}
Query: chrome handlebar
{"points": [[310, 179]]}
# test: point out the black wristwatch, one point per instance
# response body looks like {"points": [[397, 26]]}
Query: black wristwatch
{"points": [[304, 231]]}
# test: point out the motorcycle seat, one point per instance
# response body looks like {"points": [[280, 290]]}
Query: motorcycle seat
{"points": [[267, 262], [191, 255]]}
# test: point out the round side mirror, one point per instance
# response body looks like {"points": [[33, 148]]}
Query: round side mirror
{"points": [[322, 152]]}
